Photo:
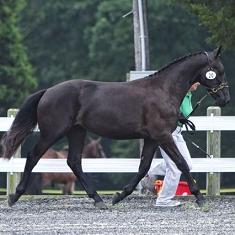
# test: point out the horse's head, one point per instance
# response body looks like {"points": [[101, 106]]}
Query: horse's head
{"points": [[212, 76], [94, 149]]}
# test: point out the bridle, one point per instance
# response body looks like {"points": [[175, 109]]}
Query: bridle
{"points": [[218, 88], [222, 85], [211, 91]]}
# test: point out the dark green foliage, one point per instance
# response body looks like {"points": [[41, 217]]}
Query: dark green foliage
{"points": [[173, 32], [218, 16], [15, 71], [78, 40], [111, 46], [126, 149]]}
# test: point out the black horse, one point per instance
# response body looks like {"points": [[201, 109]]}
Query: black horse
{"points": [[147, 108]]}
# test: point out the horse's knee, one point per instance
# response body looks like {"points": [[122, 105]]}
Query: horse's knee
{"points": [[141, 173], [183, 166], [72, 163]]}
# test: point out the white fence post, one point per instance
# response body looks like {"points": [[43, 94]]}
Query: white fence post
{"points": [[13, 178], [213, 149]]}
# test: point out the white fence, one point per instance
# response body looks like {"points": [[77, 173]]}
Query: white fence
{"points": [[113, 165], [212, 124]]}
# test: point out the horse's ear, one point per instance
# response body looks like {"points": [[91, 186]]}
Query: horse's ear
{"points": [[89, 138], [99, 139], [217, 52]]}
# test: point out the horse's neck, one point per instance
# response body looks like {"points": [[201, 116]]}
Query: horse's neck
{"points": [[178, 77]]}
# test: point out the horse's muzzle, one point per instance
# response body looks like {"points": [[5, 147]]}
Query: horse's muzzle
{"points": [[222, 103]]}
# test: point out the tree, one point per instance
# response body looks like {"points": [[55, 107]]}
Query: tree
{"points": [[174, 31], [78, 40], [218, 16], [111, 49], [16, 78]]}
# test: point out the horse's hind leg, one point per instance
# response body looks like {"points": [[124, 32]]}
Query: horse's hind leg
{"points": [[32, 159], [172, 151], [76, 138], [145, 163]]}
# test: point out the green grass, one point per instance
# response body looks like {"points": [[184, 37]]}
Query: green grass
{"points": [[58, 192], [222, 191], [78, 192]]}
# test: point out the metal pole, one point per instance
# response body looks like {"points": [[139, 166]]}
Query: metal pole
{"points": [[142, 35], [137, 45], [214, 150], [141, 38]]}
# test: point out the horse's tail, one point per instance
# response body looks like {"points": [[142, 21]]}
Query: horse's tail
{"points": [[23, 124]]}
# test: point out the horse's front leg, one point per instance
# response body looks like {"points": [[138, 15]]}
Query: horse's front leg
{"points": [[145, 162], [172, 151]]}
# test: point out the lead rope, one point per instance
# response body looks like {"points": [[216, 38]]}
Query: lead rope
{"points": [[197, 105], [189, 124], [192, 142], [201, 149]]}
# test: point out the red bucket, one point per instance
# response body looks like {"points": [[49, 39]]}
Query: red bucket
{"points": [[182, 189]]}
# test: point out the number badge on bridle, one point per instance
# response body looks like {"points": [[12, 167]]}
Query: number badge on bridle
{"points": [[210, 75]]}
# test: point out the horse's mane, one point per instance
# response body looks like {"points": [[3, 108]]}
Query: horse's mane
{"points": [[177, 60]]}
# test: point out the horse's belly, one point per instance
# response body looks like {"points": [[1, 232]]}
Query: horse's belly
{"points": [[117, 134], [112, 115], [114, 134], [114, 128]]}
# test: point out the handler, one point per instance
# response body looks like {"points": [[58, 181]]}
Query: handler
{"points": [[168, 167]]}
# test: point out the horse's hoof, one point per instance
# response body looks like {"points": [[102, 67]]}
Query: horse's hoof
{"points": [[11, 200], [205, 207], [201, 202], [116, 198], [100, 205]]}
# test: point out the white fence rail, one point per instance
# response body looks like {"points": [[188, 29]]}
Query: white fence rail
{"points": [[211, 124], [202, 123], [113, 165]]}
